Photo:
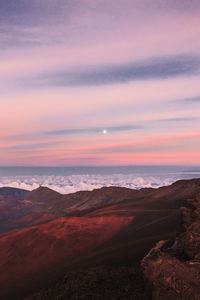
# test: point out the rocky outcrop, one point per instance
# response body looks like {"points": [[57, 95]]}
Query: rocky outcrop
{"points": [[112, 227], [170, 278], [172, 269]]}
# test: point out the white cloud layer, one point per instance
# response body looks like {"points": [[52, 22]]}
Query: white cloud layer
{"points": [[74, 183]]}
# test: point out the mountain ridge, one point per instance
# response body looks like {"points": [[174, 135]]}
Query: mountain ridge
{"points": [[36, 255]]}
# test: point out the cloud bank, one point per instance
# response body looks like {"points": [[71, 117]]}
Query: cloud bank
{"points": [[150, 69], [74, 183]]}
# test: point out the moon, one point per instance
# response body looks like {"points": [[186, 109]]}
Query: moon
{"points": [[105, 131]]}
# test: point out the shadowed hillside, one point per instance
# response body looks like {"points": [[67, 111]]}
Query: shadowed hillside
{"points": [[15, 192], [43, 204], [106, 228]]}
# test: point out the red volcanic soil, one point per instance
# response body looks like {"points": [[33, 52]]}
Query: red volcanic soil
{"points": [[48, 200], [83, 202], [11, 209], [34, 219], [32, 256], [118, 227]]}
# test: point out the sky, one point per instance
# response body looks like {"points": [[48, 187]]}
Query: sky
{"points": [[97, 82]]}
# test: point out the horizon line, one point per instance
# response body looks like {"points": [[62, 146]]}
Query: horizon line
{"points": [[99, 166]]}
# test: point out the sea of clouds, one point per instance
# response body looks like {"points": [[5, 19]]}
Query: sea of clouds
{"points": [[74, 183]]}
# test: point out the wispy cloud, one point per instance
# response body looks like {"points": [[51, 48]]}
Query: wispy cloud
{"points": [[191, 100], [156, 144], [25, 23], [71, 67], [154, 68], [31, 12], [92, 130], [33, 146], [187, 119]]}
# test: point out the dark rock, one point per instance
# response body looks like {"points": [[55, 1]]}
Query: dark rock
{"points": [[174, 272], [192, 240], [187, 216], [170, 278]]}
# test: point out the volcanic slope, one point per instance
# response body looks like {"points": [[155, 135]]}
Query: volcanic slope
{"points": [[83, 201], [25, 209], [15, 192], [117, 235]]}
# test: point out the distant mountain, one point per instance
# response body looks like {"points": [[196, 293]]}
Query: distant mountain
{"points": [[116, 227], [43, 194], [43, 204], [77, 203], [10, 191], [81, 203], [16, 211], [12, 208]]}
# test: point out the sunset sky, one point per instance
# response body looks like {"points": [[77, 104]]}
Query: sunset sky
{"points": [[98, 82]]}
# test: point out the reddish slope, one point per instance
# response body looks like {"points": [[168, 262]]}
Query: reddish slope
{"points": [[109, 235], [30, 256], [12, 208], [34, 219], [80, 203], [43, 204], [48, 200]]}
